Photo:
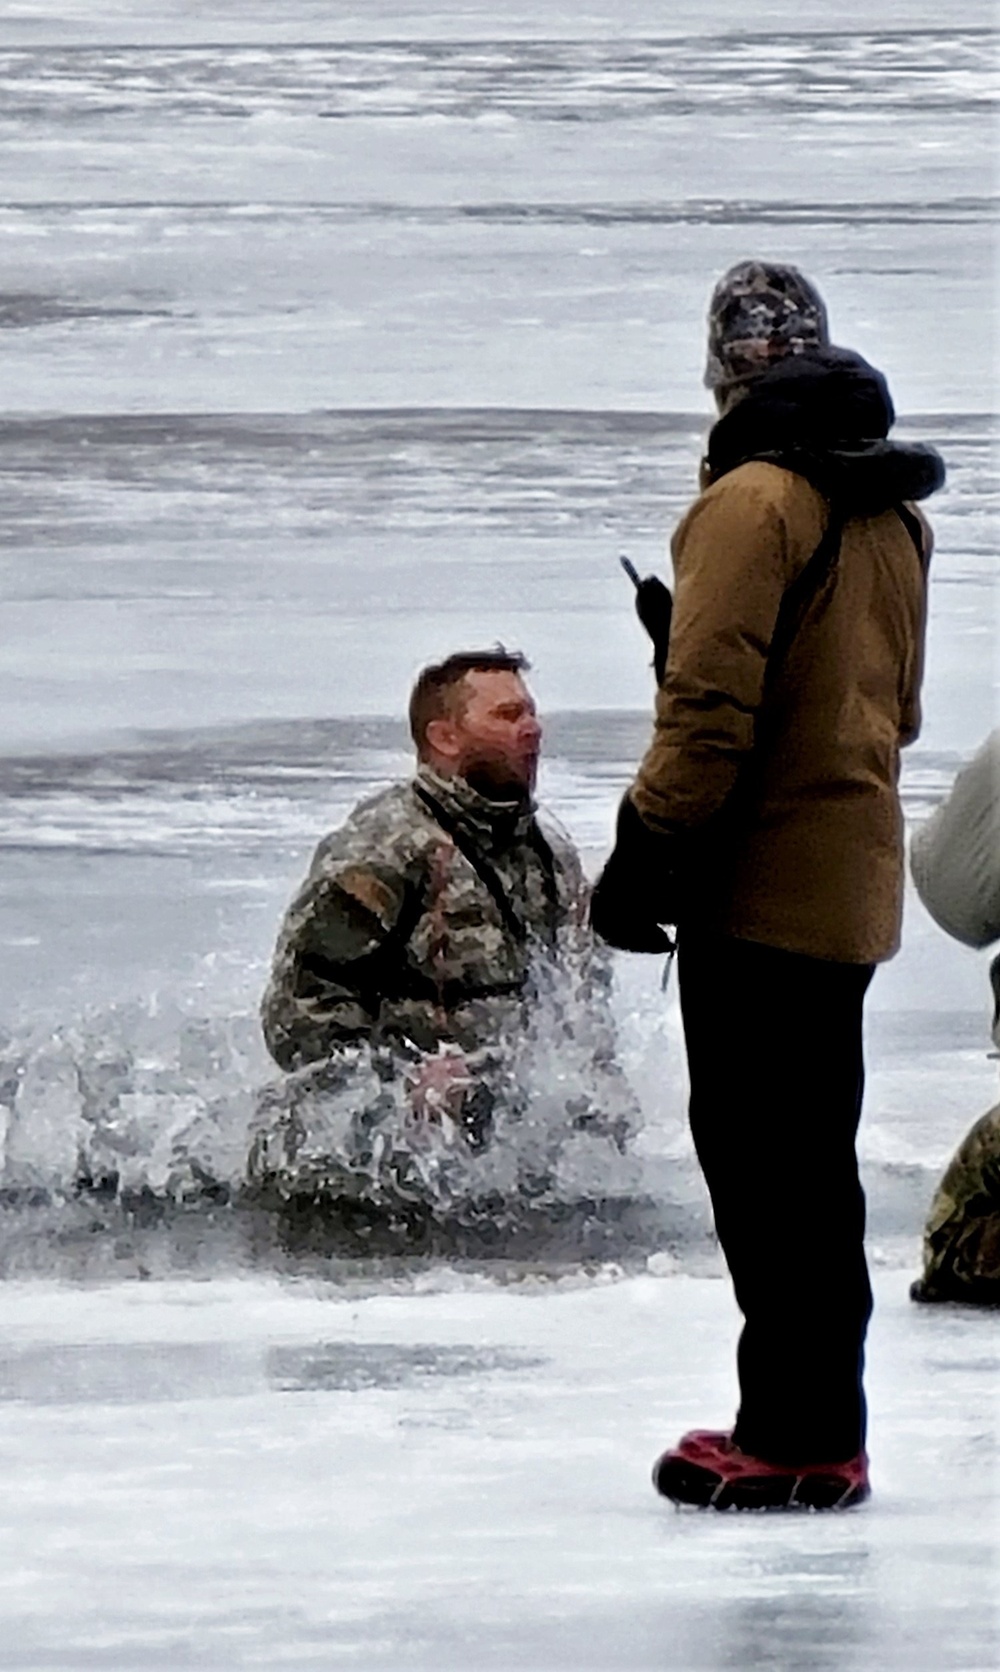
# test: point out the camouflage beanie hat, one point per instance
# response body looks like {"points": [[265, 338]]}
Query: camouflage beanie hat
{"points": [[759, 312]]}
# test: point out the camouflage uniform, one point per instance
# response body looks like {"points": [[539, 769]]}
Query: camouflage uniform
{"points": [[432, 920], [962, 1236]]}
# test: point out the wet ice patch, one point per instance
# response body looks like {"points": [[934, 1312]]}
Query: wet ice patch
{"points": [[346, 1366], [552, 81], [123, 1373], [27, 309]]}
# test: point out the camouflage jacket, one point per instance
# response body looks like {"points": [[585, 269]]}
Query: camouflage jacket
{"points": [[962, 1236], [429, 916]]}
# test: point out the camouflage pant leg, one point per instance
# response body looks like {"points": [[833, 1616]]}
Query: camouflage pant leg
{"points": [[962, 1236], [343, 1128], [312, 1125]]}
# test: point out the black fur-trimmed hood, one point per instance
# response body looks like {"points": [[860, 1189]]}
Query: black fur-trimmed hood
{"points": [[826, 415]]}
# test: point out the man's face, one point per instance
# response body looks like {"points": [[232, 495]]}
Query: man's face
{"points": [[497, 734]]}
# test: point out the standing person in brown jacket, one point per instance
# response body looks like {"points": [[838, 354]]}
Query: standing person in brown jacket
{"points": [[765, 824]]}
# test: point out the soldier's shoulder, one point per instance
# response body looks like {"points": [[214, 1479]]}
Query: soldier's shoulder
{"points": [[388, 826], [984, 1136]]}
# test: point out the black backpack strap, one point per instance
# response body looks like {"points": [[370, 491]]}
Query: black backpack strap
{"points": [[911, 522], [809, 582], [479, 862], [806, 586]]}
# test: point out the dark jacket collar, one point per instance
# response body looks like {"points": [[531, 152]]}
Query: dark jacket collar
{"points": [[826, 415], [494, 824]]}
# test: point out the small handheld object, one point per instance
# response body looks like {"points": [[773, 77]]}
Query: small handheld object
{"points": [[654, 605]]}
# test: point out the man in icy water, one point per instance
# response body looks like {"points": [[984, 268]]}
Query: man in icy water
{"points": [[955, 860], [765, 825], [439, 948]]}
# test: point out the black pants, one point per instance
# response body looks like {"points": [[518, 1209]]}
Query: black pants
{"points": [[777, 1074]]}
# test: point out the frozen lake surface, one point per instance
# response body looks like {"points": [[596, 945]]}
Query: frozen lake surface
{"points": [[331, 343], [454, 1473]]}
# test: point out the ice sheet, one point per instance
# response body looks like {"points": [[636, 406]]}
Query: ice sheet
{"points": [[456, 1474], [230, 232]]}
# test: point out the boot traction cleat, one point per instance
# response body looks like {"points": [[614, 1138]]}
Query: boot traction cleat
{"points": [[707, 1470]]}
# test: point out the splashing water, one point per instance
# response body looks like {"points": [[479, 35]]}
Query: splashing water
{"points": [[148, 1114], [543, 1136], [137, 1098]]}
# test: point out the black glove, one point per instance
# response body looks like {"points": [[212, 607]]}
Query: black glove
{"points": [[654, 605], [637, 891]]}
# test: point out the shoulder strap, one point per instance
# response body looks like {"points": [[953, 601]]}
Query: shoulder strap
{"points": [[477, 860], [913, 528], [809, 582], [487, 874], [806, 586]]}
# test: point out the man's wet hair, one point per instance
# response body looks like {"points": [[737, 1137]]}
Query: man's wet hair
{"points": [[436, 694]]}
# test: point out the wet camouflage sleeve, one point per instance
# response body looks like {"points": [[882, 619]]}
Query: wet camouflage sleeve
{"points": [[962, 1237], [324, 986]]}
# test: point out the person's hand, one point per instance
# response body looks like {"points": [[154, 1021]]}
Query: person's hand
{"points": [[438, 1085], [636, 893]]}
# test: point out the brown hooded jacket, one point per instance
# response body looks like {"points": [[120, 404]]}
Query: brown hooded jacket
{"points": [[795, 757]]}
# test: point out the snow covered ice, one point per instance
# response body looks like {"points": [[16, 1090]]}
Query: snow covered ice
{"points": [[332, 342], [453, 1473]]}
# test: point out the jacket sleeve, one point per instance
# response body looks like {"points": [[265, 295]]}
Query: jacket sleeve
{"points": [[734, 556], [955, 856], [332, 955]]}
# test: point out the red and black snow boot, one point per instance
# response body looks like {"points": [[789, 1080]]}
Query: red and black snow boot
{"points": [[708, 1470]]}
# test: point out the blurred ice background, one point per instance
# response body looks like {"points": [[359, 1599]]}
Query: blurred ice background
{"points": [[333, 338], [334, 342]]}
